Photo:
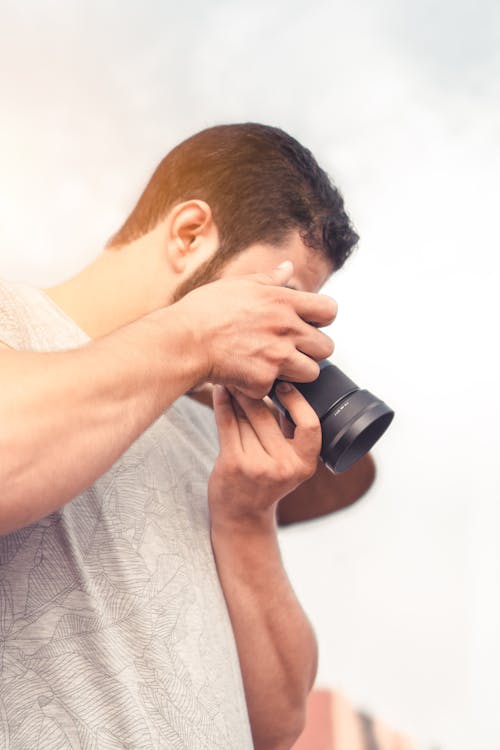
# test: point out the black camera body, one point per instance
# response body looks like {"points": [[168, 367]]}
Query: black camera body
{"points": [[352, 420]]}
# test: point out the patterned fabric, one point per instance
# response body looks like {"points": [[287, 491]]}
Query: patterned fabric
{"points": [[114, 631]]}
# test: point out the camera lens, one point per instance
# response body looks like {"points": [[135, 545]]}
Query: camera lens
{"points": [[352, 420]]}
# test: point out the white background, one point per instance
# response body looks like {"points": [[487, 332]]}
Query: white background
{"points": [[399, 101]]}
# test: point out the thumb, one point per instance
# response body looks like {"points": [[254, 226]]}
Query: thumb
{"points": [[279, 275]]}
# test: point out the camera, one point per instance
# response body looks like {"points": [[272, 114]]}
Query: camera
{"points": [[352, 420]]}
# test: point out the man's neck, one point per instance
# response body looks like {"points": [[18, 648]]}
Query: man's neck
{"points": [[115, 289]]}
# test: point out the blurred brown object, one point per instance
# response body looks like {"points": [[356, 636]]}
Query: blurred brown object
{"points": [[333, 724]]}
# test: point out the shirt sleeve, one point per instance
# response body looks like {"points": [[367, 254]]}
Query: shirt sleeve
{"points": [[12, 325]]}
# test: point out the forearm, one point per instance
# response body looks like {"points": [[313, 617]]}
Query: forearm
{"points": [[66, 417], [276, 645], [326, 492]]}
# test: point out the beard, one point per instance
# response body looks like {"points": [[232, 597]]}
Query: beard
{"points": [[207, 272]]}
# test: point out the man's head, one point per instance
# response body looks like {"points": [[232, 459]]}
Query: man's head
{"points": [[231, 200], [241, 186]]}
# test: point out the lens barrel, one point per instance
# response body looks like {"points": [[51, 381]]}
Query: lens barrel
{"points": [[352, 420]]}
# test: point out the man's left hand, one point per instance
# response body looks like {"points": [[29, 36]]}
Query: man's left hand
{"points": [[258, 464]]}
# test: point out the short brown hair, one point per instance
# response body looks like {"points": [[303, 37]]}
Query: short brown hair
{"points": [[260, 184]]}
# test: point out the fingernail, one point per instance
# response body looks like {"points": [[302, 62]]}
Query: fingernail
{"points": [[283, 387]]}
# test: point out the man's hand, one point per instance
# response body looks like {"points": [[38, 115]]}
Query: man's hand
{"points": [[257, 463], [322, 494], [251, 330]]}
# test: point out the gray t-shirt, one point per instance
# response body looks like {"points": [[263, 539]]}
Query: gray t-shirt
{"points": [[114, 632]]}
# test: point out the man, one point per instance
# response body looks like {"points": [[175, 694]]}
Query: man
{"points": [[144, 604]]}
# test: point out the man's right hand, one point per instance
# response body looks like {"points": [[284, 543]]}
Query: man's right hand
{"points": [[252, 330]]}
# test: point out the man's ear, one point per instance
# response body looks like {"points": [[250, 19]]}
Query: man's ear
{"points": [[191, 235]]}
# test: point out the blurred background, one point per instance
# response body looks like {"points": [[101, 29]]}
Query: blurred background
{"points": [[400, 103]]}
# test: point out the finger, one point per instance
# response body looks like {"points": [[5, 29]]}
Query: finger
{"points": [[307, 434], [243, 439], [316, 344], [249, 440], [299, 369], [226, 420], [262, 421], [278, 276], [317, 309], [248, 437], [240, 414]]}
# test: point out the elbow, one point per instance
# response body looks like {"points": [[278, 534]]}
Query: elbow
{"points": [[287, 738], [295, 729], [285, 731]]}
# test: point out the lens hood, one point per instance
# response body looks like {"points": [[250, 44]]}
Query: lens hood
{"points": [[352, 420]]}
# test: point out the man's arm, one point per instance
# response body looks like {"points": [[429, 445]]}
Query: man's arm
{"points": [[65, 417], [276, 645]]}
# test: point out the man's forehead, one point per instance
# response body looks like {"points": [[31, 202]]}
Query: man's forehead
{"points": [[312, 268], [312, 273]]}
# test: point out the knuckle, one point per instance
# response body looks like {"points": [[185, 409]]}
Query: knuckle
{"points": [[288, 469], [309, 469], [283, 471], [258, 383], [275, 354], [311, 425], [313, 370], [263, 386], [257, 471], [274, 474], [283, 329], [284, 355], [261, 378]]}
